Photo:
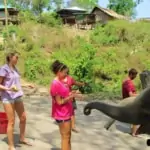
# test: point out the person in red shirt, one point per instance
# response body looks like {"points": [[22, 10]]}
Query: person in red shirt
{"points": [[128, 90], [70, 81]]}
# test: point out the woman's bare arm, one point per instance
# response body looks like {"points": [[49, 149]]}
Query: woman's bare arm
{"points": [[61, 100], [79, 83]]}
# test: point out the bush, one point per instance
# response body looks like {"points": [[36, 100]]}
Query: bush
{"points": [[49, 19], [99, 57], [26, 16], [35, 70], [80, 60]]}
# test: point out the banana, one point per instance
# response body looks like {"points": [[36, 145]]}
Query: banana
{"points": [[15, 89]]}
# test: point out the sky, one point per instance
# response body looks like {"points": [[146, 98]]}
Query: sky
{"points": [[142, 9]]}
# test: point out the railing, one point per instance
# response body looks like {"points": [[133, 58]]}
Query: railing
{"points": [[10, 18]]}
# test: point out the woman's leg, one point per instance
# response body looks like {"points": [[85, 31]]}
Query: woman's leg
{"points": [[73, 126], [19, 107], [65, 131], [73, 121], [10, 111]]}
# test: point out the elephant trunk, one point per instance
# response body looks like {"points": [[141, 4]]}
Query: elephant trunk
{"points": [[121, 113]]}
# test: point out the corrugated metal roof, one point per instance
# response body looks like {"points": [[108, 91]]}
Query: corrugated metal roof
{"points": [[75, 8], [2, 6]]}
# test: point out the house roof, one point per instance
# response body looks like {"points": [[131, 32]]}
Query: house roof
{"points": [[110, 13], [2, 7], [72, 10], [75, 9]]}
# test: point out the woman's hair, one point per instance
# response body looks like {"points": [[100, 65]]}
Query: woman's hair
{"points": [[9, 56], [57, 66]]}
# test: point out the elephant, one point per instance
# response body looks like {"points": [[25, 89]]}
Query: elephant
{"points": [[133, 110], [123, 102]]}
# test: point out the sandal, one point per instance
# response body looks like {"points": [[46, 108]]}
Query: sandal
{"points": [[25, 143]]}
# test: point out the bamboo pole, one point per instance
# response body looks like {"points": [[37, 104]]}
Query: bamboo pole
{"points": [[6, 22], [6, 13]]}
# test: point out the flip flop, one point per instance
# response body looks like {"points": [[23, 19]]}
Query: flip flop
{"points": [[25, 143]]}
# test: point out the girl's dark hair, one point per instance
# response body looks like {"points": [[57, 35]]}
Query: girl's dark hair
{"points": [[9, 56], [58, 66]]}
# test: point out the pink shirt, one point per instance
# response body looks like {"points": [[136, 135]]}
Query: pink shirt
{"points": [[64, 111]]}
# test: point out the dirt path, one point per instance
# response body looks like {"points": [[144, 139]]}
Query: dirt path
{"points": [[44, 135]]}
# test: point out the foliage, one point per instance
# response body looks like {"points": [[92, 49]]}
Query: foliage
{"points": [[88, 4], [50, 19], [35, 70], [80, 60], [99, 57], [36, 6], [26, 16], [124, 7], [20, 4], [57, 4], [39, 5], [104, 35]]}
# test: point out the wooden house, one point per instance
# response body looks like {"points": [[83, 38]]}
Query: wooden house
{"points": [[103, 15], [12, 15], [68, 15], [76, 16]]}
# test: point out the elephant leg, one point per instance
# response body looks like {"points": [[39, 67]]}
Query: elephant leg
{"points": [[109, 123]]}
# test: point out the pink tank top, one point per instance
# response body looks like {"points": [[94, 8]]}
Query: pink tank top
{"points": [[64, 111]]}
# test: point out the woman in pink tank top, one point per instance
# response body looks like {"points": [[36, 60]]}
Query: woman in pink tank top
{"points": [[62, 103]]}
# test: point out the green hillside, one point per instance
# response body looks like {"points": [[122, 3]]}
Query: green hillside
{"points": [[100, 57]]}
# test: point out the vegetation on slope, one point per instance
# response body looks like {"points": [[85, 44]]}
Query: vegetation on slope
{"points": [[100, 57]]}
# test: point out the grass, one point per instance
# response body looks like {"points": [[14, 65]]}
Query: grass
{"points": [[105, 51]]}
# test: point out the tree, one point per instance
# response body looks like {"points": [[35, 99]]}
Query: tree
{"points": [[57, 3], [39, 5], [20, 4], [124, 7], [88, 4]]}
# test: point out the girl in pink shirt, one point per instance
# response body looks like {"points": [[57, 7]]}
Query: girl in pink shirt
{"points": [[62, 103]]}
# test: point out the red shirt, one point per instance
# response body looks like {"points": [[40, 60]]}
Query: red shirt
{"points": [[69, 82], [127, 87]]}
